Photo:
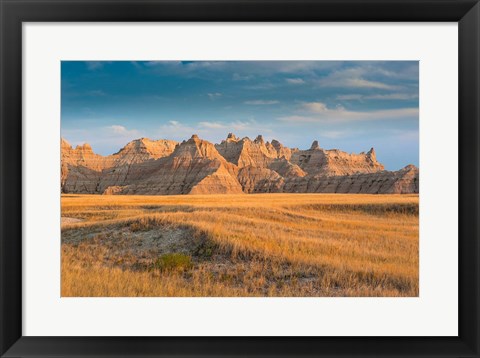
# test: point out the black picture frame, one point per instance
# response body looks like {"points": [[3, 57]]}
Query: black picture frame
{"points": [[14, 12]]}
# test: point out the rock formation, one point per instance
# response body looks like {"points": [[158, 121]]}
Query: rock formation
{"points": [[83, 171], [236, 165], [318, 161], [195, 166]]}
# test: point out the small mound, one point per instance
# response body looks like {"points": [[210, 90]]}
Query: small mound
{"points": [[136, 244]]}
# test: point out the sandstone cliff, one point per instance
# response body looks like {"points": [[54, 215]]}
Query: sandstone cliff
{"points": [[236, 165], [335, 162], [195, 166], [83, 171]]}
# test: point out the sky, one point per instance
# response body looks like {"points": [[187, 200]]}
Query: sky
{"points": [[347, 105]]}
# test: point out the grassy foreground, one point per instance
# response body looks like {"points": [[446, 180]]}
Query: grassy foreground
{"points": [[240, 245]]}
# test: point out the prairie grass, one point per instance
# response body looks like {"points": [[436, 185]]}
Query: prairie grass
{"points": [[240, 245]]}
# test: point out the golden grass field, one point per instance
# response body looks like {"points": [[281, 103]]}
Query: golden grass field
{"points": [[240, 245]]}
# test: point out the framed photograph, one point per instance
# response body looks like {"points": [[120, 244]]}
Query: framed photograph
{"points": [[239, 178]]}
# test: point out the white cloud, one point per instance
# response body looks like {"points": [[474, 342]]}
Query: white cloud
{"points": [[348, 97], [213, 125], [119, 130], [405, 134], [390, 96], [214, 96], [187, 66], [353, 78], [393, 96], [319, 112], [104, 140], [260, 86], [136, 64], [363, 83], [95, 65], [260, 102], [246, 125], [239, 77], [187, 69], [239, 70], [406, 73], [295, 67], [214, 132], [295, 81], [315, 107], [334, 134], [180, 131], [176, 130]]}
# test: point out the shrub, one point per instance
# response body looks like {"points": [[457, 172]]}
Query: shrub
{"points": [[173, 262], [206, 250]]}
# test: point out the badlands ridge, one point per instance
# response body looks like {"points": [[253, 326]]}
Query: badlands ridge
{"points": [[196, 166]]}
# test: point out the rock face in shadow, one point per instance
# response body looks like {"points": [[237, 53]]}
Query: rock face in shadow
{"points": [[404, 181], [234, 166]]}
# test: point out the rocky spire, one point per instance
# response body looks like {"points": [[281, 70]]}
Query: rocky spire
{"points": [[259, 139], [276, 144], [371, 154], [84, 148], [231, 136], [65, 144], [315, 145]]}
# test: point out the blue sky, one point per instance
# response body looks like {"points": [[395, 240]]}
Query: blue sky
{"points": [[348, 105]]}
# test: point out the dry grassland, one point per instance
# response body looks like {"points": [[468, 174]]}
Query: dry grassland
{"points": [[240, 245]]}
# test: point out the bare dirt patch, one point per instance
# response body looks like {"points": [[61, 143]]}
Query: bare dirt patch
{"points": [[67, 220], [129, 247]]}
